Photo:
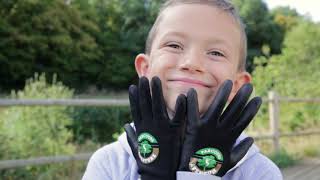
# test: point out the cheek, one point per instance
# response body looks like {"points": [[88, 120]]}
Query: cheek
{"points": [[218, 72], [160, 65], [163, 66], [221, 71]]}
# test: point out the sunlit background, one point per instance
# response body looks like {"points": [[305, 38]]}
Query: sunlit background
{"points": [[305, 7]]}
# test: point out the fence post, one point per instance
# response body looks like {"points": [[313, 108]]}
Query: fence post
{"points": [[73, 169], [274, 119]]}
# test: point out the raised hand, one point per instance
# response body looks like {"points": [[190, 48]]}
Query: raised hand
{"points": [[156, 143], [209, 140]]}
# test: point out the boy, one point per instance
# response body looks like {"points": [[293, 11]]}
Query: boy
{"points": [[193, 44]]}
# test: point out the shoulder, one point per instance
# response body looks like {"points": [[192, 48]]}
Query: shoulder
{"points": [[98, 165], [254, 166], [109, 153], [259, 167], [110, 162]]}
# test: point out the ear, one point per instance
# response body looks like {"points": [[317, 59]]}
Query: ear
{"points": [[142, 64], [241, 79]]}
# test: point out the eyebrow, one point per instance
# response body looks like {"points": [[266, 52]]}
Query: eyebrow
{"points": [[174, 33], [220, 41], [208, 41]]}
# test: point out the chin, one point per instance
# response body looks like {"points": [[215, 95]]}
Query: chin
{"points": [[171, 96], [170, 99], [202, 110]]}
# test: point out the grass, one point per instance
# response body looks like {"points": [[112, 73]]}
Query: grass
{"points": [[292, 150], [311, 151], [61, 171], [282, 159], [296, 148]]}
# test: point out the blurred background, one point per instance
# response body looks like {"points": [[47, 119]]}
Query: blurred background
{"points": [[85, 50]]}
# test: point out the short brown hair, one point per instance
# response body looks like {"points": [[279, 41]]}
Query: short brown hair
{"points": [[224, 5]]}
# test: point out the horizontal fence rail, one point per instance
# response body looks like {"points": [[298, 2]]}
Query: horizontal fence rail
{"points": [[64, 102], [107, 102], [273, 100], [293, 100], [8, 164], [291, 134]]}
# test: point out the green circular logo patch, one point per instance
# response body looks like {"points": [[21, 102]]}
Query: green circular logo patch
{"points": [[206, 161], [148, 148]]}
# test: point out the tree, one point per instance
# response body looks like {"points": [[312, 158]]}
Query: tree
{"points": [[285, 17], [46, 36], [294, 73], [145, 148], [124, 26], [260, 28], [207, 162]]}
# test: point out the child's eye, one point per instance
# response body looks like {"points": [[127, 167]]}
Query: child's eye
{"points": [[216, 53], [174, 46]]}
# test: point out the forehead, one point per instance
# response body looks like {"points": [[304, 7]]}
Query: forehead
{"points": [[200, 22]]}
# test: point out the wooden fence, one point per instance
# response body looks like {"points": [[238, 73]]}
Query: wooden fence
{"points": [[274, 109]]}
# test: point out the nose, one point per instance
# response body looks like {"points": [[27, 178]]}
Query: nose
{"points": [[192, 62]]}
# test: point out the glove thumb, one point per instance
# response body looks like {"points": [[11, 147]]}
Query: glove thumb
{"points": [[132, 140], [240, 151]]}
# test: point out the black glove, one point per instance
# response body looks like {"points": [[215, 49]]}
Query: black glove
{"points": [[156, 144], [208, 146]]}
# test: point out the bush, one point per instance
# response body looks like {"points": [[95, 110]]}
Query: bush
{"points": [[35, 131], [311, 151], [99, 124], [279, 73], [282, 159]]}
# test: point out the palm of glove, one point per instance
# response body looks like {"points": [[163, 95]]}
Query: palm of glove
{"points": [[214, 134], [156, 143]]}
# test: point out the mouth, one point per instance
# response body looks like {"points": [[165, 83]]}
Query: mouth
{"points": [[190, 82]]}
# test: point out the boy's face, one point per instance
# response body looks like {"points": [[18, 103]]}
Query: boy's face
{"points": [[195, 46]]}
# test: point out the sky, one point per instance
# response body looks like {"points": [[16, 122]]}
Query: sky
{"points": [[310, 7]]}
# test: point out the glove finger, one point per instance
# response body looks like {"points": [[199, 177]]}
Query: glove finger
{"points": [[145, 101], [134, 104], [247, 115], [132, 140], [240, 151], [231, 114], [193, 116], [218, 104], [193, 124], [158, 104], [180, 111]]}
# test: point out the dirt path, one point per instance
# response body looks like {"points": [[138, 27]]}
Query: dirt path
{"points": [[308, 169]]}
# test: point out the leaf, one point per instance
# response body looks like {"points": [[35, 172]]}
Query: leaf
{"points": [[145, 148], [207, 162]]}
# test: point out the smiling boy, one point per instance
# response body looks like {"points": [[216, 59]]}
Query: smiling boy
{"points": [[193, 44]]}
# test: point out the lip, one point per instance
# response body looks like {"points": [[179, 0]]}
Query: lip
{"points": [[190, 81]]}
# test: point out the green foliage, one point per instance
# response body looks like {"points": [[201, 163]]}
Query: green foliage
{"points": [[282, 159], [311, 151], [94, 42], [294, 73], [85, 43], [260, 28], [285, 17], [46, 36], [35, 131], [99, 124], [124, 26]]}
